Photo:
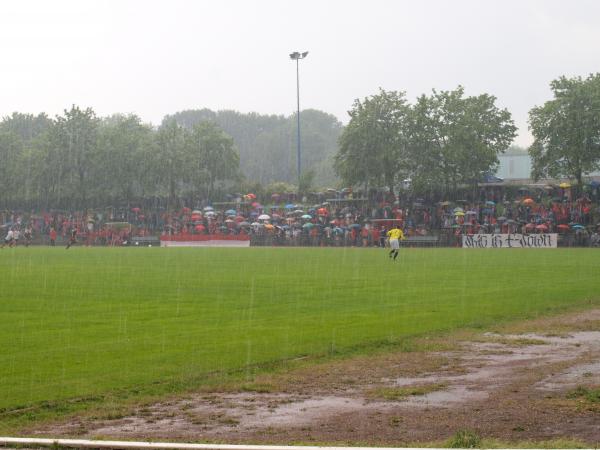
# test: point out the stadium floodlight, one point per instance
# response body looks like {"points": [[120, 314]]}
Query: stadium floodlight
{"points": [[297, 56]]}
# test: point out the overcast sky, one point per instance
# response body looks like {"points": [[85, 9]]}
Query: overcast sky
{"points": [[157, 57]]}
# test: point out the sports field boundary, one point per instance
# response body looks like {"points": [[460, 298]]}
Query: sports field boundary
{"points": [[132, 445]]}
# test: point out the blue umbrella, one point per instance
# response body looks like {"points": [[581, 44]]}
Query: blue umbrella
{"points": [[355, 225], [290, 206], [577, 227], [231, 212]]}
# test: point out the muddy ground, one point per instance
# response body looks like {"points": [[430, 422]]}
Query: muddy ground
{"points": [[523, 382]]}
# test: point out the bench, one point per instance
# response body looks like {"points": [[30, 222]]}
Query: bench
{"points": [[145, 241], [420, 241]]}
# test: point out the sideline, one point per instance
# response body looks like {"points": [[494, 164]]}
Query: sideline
{"points": [[84, 443]]}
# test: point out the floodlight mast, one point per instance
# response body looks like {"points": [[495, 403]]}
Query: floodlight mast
{"points": [[297, 56]]}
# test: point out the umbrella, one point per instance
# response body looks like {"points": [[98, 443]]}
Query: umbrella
{"points": [[563, 226], [210, 213], [256, 205], [577, 227], [251, 196], [209, 208], [308, 225], [231, 212], [255, 224], [264, 217], [244, 224], [298, 211], [338, 230], [355, 225], [594, 184], [306, 216], [199, 227], [471, 213], [458, 209], [564, 185], [501, 219], [490, 203], [459, 213], [230, 221], [530, 226], [446, 203], [542, 227], [528, 202], [290, 206]]}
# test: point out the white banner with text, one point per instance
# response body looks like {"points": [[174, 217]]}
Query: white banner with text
{"points": [[546, 240]]}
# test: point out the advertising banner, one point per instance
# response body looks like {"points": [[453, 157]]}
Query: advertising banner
{"points": [[546, 240]]}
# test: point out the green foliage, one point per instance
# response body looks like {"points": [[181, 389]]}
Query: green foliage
{"points": [[464, 439], [373, 149], [592, 395], [267, 143], [443, 140], [566, 130], [93, 322]]}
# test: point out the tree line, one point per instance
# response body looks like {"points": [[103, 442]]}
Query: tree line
{"points": [[440, 141], [447, 139], [78, 160]]}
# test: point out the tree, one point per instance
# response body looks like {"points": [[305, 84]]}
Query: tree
{"points": [[373, 148], [124, 154], [455, 139], [11, 150], [214, 157], [69, 152], [171, 161], [566, 130]]}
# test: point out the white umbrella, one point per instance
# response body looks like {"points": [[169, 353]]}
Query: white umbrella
{"points": [[264, 217]]}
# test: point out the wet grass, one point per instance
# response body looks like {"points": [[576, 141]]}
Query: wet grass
{"points": [[91, 325]]}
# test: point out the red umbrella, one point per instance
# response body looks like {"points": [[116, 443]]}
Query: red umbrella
{"points": [[136, 209], [199, 227], [528, 202], [530, 226], [251, 196], [322, 211], [563, 227], [542, 227]]}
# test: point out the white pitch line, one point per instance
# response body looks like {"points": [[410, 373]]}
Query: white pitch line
{"points": [[129, 445]]}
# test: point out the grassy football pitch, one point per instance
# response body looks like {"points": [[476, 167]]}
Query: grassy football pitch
{"points": [[91, 321]]}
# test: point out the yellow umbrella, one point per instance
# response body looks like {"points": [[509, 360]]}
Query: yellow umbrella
{"points": [[564, 185], [459, 213]]}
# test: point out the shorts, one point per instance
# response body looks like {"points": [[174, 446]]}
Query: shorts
{"points": [[394, 244]]}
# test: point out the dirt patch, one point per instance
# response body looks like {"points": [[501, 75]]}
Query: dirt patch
{"points": [[512, 385]]}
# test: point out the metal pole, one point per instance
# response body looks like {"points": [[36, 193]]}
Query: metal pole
{"points": [[298, 99]]}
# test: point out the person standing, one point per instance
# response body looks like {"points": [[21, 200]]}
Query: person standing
{"points": [[72, 238], [52, 236], [9, 239], [394, 236]]}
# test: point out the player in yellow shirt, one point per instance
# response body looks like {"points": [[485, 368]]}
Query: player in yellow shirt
{"points": [[394, 236]]}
